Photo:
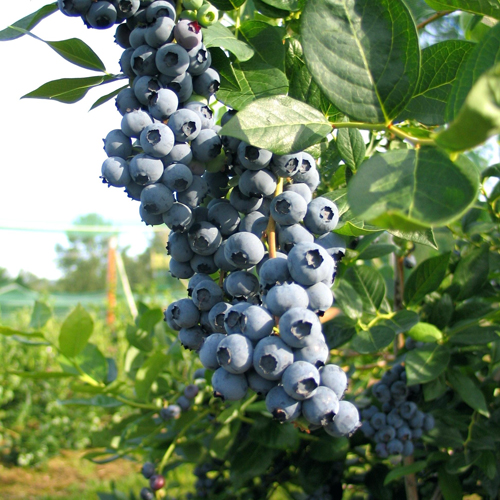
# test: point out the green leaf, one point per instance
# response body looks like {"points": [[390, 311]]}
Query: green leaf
{"points": [[40, 375], [369, 284], [425, 237], [426, 363], [227, 5], [40, 315], [470, 274], [269, 11], [489, 8], [338, 331], [351, 146], [376, 251], [8, 332], [255, 80], [484, 56], [441, 64], [250, 461], [217, 35], [292, 5], [479, 117], [107, 97], [435, 388], [75, 51], [272, 434], [27, 23], [426, 278], [142, 339], [224, 438], [91, 360], [404, 470], [364, 55], [281, 124], [425, 332], [468, 391], [148, 373], [449, 484], [404, 320], [266, 41], [329, 449], [75, 332], [373, 340], [411, 189], [475, 335], [348, 300], [67, 90]]}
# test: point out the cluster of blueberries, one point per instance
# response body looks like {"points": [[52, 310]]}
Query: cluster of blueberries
{"points": [[396, 423], [102, 14]]}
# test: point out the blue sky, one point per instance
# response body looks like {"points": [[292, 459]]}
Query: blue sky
{"points": [[52, 152]]}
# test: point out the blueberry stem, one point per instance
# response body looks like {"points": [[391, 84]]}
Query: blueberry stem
{"points": [[271, 227]]}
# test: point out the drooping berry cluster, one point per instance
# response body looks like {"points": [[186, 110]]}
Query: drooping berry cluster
{"points": [[396, 423]]}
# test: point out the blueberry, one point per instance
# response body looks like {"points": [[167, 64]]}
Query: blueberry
{"points": [[191, 391], [271, 358], [194, 195], [254, 222], [181, 153], [394, 419], [235, 353], [184, 312], [282, 407], [184, 403], [300, 380], [126, 101], [160, 32], [192, 338], [126, 63], [316, 353], [177, 177], [244, 250], [378, 420], [182, 85], [208, 351], [185, 124], [180, 270], [126, 8], [147, 494], [156, 482], [309, 264], [385, 434], [404, 433], [148, 469], [225, 217], [188, 34], [117, 143], [160, 8], [134, 122], [143, 61], [138, 37], [300, 188], [206, 146], [408, 448], [157, 140], [289, 236], [258, 384], [171, 412], [395, 447], [256, 323], [162, 103], [150, 219], [321, 408], [334, 377], [241, 284], [258, 183], [368, 413], [280, 298], [134, 191], [206, 294], [322, 216], [381, 450], [429, 422], [229, 386], [101, 15], [204, 238], [333, 244], [288, 208], [115, 172], [367, 429], [286, 165], [399, 390], [220, 259], [207, 15], [320, 298], [204, 112], [207, 83], [216, 316], [408, 409], [145, 169], [178, 246], [274, 272], [252, 157], [346, 422], [381, 392], [145, 87], [242, 203], [203, 264], [233, 317], [74, 8], [156, 199], [300, 327]]}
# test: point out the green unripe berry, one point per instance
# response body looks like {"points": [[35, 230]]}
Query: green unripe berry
{"points": [[188, 14], [207, 15], [192, 4]]}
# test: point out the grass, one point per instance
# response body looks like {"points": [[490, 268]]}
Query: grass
{"points": [[68, 477]]}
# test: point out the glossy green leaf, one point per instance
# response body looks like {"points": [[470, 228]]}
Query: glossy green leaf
{"points": [[329, 449], [479, 117], [348, 300], [281, 124], [426, 363], [91, 360], [483, 7], [148, 373], [435, 388], [425, 332], [449, 484], [142, 339], [369, 284], [424, 237], [364, 55], [250, 461], [404, 320], [75, 51], [373, 340], [412, 189], [269, 11], [67, 90], [468, 391], [470, 274], [227, 5], [426, 278], [40, 315], [338, 331], [271, 434], [376, 251], [75, 332], [266, 41], [475, 335], [107, 97], [225, 69], [255, 80], [351, 146], [217, 35], [404, 470], [441, 64], [484, 56], [290, 5], [27, 23], [8, 332]]}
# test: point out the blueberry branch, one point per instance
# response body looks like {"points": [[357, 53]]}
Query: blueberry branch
{"points": [[271, 227]]}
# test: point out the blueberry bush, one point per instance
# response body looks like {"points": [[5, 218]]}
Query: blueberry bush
{"points": [[318, 164]]}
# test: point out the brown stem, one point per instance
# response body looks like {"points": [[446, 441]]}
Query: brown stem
{"points": [[410, 482], [271, 227], [330, 314], [433, 18]]}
